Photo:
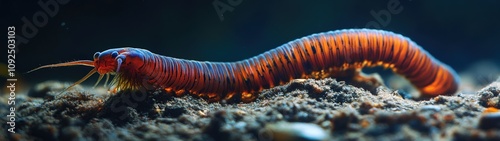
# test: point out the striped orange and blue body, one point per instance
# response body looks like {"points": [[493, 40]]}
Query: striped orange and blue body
{"points": [[328, 53]]}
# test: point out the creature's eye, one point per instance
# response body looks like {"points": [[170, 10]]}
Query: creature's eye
{"points": [[97, 55], [114, 54]]}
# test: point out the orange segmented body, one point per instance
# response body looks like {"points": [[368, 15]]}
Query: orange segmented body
{"points": [[329, 53]]}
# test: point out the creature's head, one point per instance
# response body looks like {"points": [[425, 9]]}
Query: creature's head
{"points": [[114, 60], [108, 62]]}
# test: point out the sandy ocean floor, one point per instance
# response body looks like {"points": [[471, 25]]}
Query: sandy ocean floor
{"points": [[301, 110]]}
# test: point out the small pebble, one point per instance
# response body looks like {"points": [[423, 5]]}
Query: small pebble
{"points": [[434, 108], [490, 121], [284, 131], [491, 110]]}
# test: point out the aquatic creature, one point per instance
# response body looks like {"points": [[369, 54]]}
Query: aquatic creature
{"points": [[339, 54]]}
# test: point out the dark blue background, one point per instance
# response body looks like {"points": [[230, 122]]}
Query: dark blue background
{"points": [[458, 33]]}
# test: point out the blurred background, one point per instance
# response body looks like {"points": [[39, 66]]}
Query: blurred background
{"points": [[458, 33]]}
